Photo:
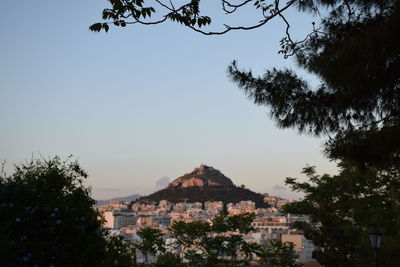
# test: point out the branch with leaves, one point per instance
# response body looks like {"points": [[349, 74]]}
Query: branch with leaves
{"points": [[124, 12]]}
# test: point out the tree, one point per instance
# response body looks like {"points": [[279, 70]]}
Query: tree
{"points": [[240, 223], [124, 12], [220, 241], [208, 244], [168, 260], [152, 242], [190, 237], [119, 251], [47, 217], [343, 208], [250, 249], [356, 55], [279, 254], [228, 234]]}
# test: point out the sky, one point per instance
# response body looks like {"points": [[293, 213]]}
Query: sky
{"points": [[141, 103]]}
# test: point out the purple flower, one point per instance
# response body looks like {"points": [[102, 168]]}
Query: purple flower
{"points": [[58, 222], [18, 220]]}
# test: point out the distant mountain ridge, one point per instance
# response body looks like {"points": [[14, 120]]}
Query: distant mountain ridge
{"points": [[204, 184], [127, 198]]}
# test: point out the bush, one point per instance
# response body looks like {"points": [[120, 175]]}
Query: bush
{"points": [[47, 217]]}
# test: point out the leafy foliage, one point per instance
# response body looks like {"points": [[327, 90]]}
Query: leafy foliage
{"points": [[123, 12], [168, 260], [119, 251], [152, 242], [191, 237], [343, 208], [240, 223], [189, 234], [249, 249], [279, 254], [188, 13], [218, 242], [205, 243], [47, 217], [355, 54]]}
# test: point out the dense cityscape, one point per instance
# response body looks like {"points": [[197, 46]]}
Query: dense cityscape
{"points": [[125, 218]]}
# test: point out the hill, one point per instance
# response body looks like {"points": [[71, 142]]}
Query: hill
{"points": [[204, 184]]}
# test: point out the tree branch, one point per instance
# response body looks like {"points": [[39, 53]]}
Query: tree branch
{"points": [[261, 23], [234, 7]]}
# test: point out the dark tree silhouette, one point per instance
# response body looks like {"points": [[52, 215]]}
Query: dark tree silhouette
{"points": [[343, 208], [47, 219], [356, 56], [124, 12]]}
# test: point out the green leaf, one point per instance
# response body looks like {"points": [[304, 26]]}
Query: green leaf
{"points": [[95, 27], [106, 27]]}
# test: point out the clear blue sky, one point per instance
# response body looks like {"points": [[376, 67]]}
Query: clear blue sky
{"points": [[141, 102]]}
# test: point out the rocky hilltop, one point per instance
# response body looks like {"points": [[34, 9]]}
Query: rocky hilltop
{"points": [[204, 184], [202, 176]]}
